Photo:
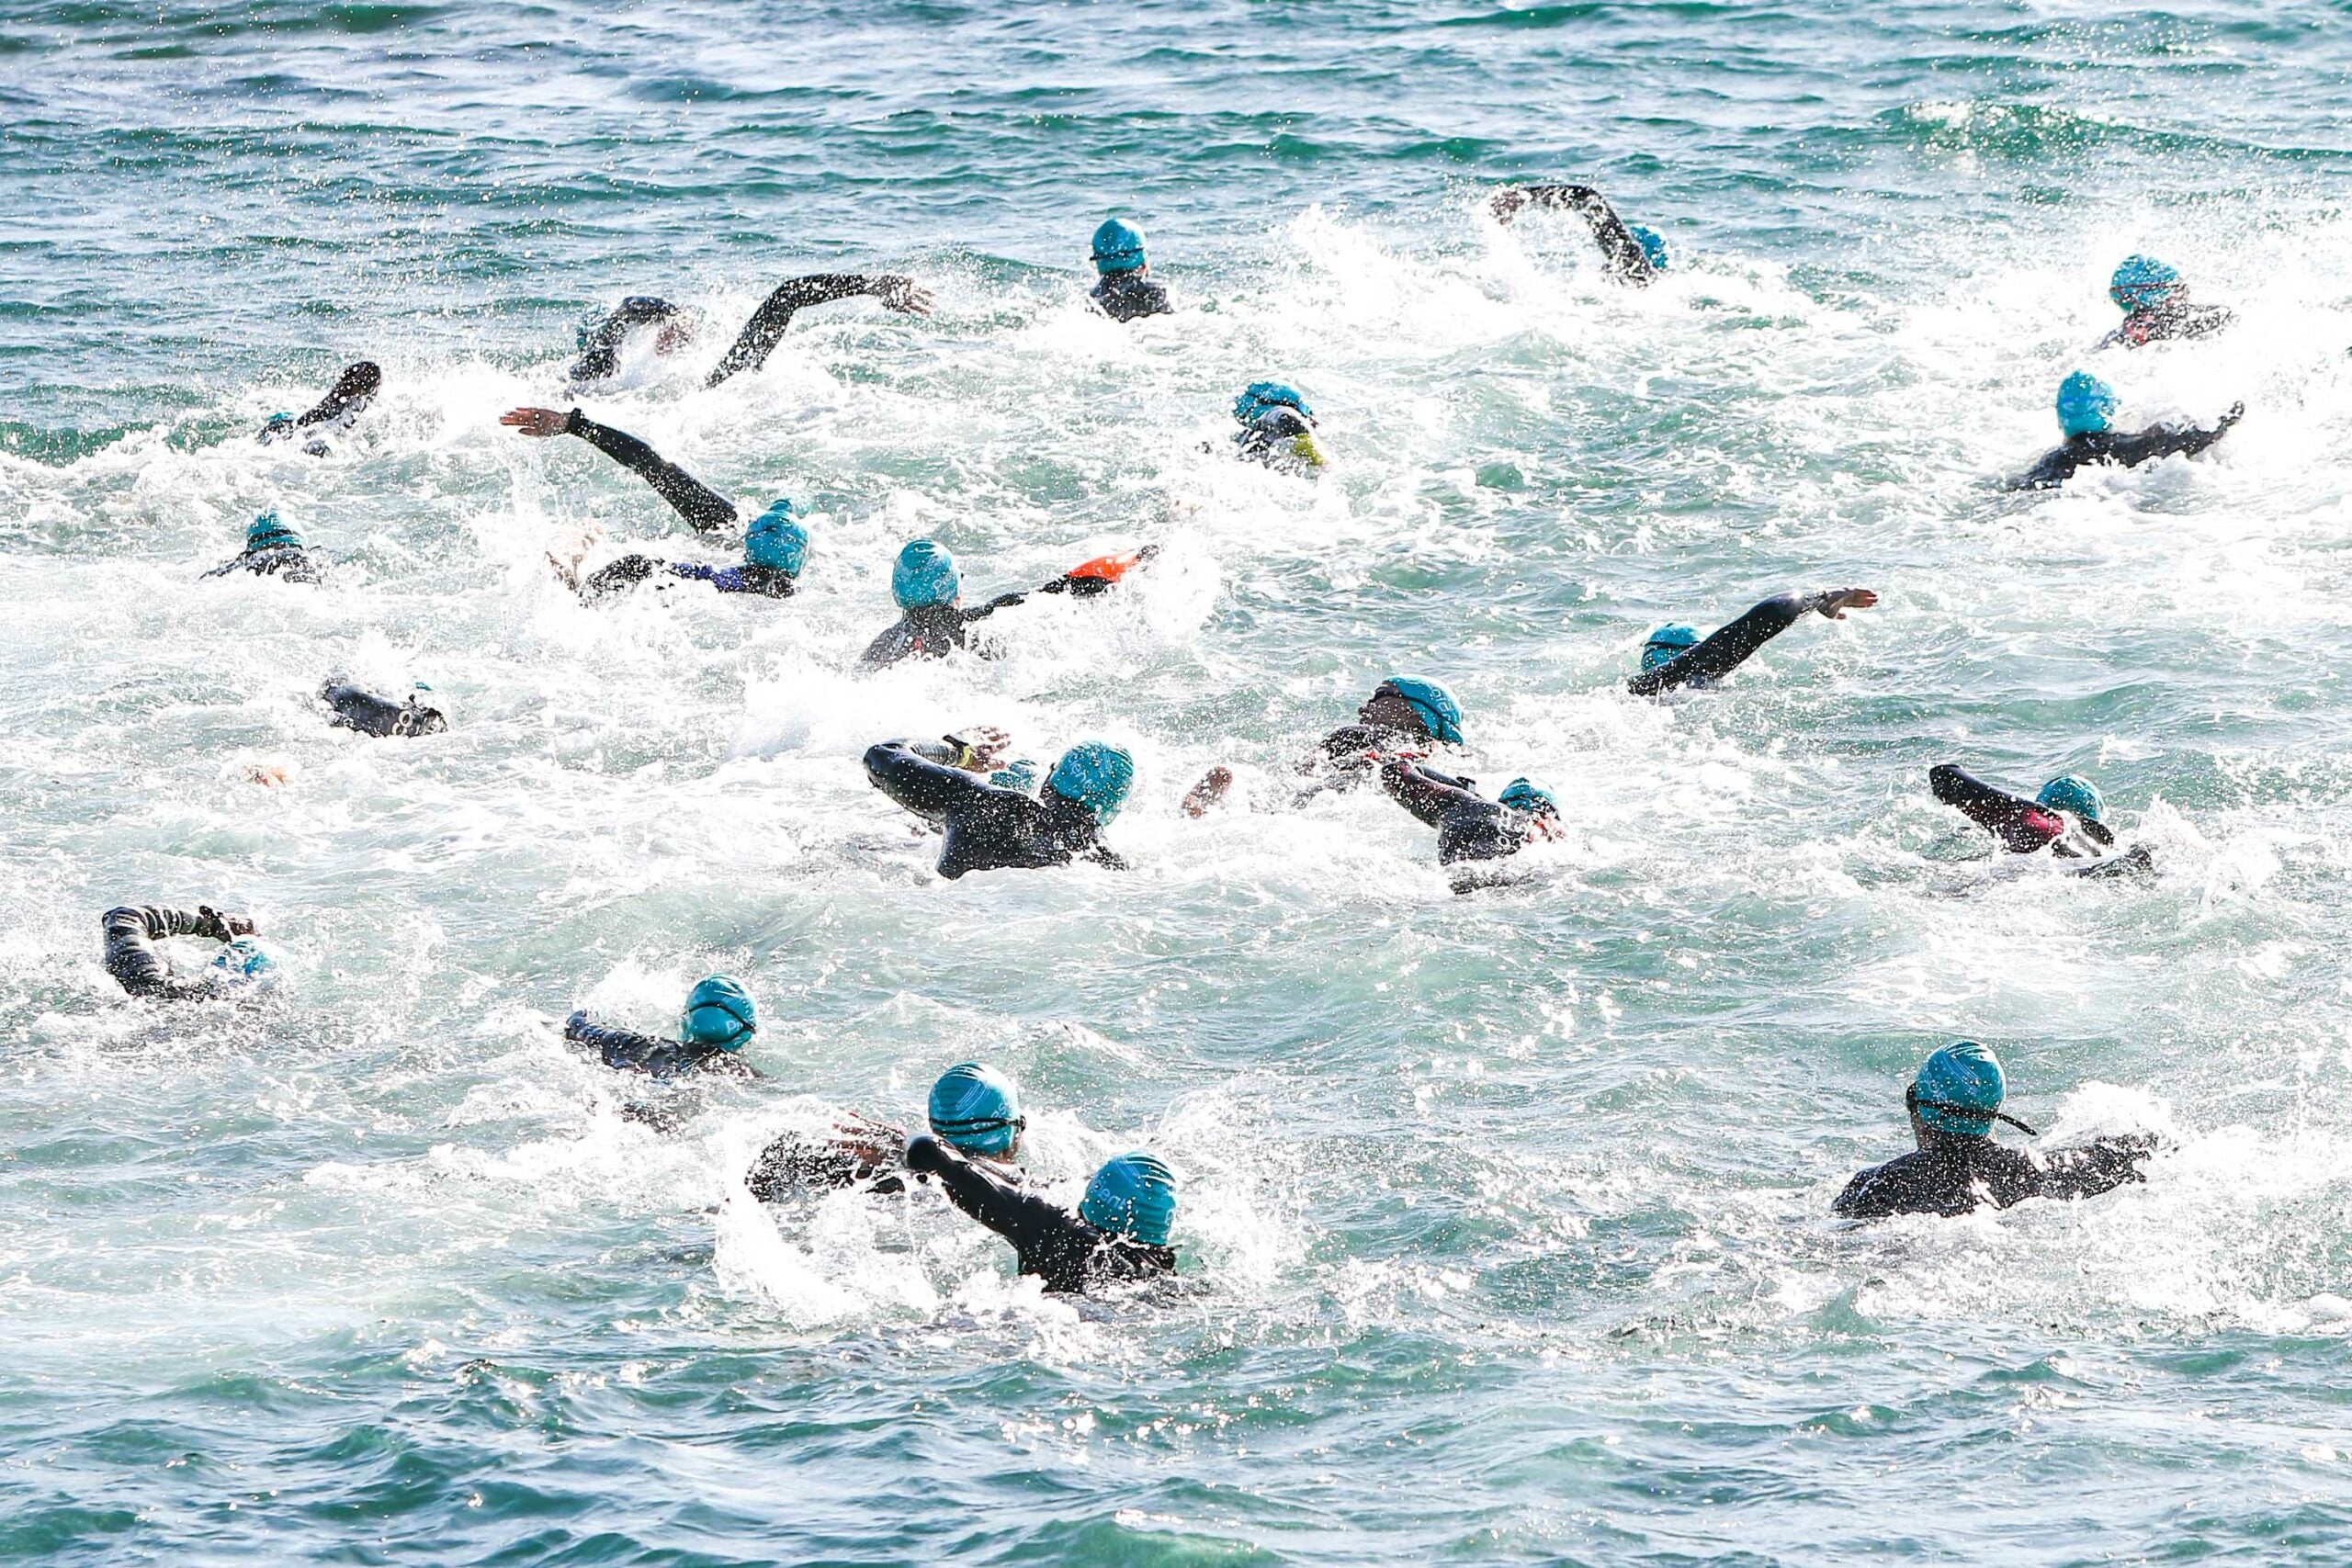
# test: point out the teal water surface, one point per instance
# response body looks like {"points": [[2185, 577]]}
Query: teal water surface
{"points": [[1505, 1223]]}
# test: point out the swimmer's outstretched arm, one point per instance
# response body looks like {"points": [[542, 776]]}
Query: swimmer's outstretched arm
{"points": [[928, 789], [2095, 1168], [2020, 824], [1051, 1240], [131, 933], [350, 393], [1426, 794], [1730, 647], [1619, 249], [2166, 441], [691, 499], [760, 334]]}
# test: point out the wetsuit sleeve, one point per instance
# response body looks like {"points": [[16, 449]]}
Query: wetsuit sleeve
{"points": [[130, 956], [622, 1048], [1728, 649], [1622, 253], [616, 577], [351, 393], [2020, 825], [688, 496], [1001, 602], [1052, 1242], [1426, 794], [2163, 441], [928, 789], [760, 334], [2093, 1168]]}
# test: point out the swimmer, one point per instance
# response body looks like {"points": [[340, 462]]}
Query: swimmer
{"points": [[718, 1020], [760, 334], [335, 413], [2086, 411], [273, 549], [975, 1110], [1675, 657], [930, 589], [1126, 290], [703, 508], [600, 345], [988, 827], [2068, 818], [1469, 826], [1953, 1102], [1404, 716], [2156, 307], [371, 715], [1119, 1233], [776, 546], [1632, 254], [131, 933], [1277, 427]]}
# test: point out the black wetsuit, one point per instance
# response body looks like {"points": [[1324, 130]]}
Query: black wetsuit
{"points": [[987, 828], [759, 336], [131, 933], [1469, 826], [371, 715], [795, 1163], [344, 403], [629, 570], [1057, 1246], [1728, 649], [294, 563], [2127, 448], [690, 497], [2163, 323], [1953, 1173], [1124, 296], [2025, 825], [1339, 760], [1619, 251], [600, 351], [937, 630], [632, 1053]]}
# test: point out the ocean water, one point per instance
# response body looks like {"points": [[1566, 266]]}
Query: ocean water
{"points": [[1505, 1224]]}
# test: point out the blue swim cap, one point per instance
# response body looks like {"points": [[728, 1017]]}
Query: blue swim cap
{"points": [[977, 1109], [2140, 281], [1133, 1195], [1118, 247], [1096, 776], [1262, 395], [776, 540], [2072, 792], [245, 963], [1436, 706], [1020, 774], [267, 532], [1653, 244], [1959, 1088], [924, 576], [1666, 645], [2086, 404], [1525, 795], [718, 1012]]}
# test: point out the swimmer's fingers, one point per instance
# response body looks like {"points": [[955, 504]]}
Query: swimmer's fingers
{"points": [[539, 423], [905, 295], [1835, 605]]}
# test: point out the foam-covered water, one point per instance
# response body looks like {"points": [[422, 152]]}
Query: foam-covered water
{"points": [[1505, 1217]]}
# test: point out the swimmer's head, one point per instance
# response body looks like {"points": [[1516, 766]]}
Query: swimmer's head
{"points": [[924, 576], [1407, 702], [1261, 396], [1653, 244], [1118, 247], [267, 532], [1957, 1090], [978, 1109], [1133, 1195], [2086, 404], [2142, 283], [2072, 792], [245, 963], [1526, 794], [1667, 644], [1094, 776], [718, 1012], [776, 540]]}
